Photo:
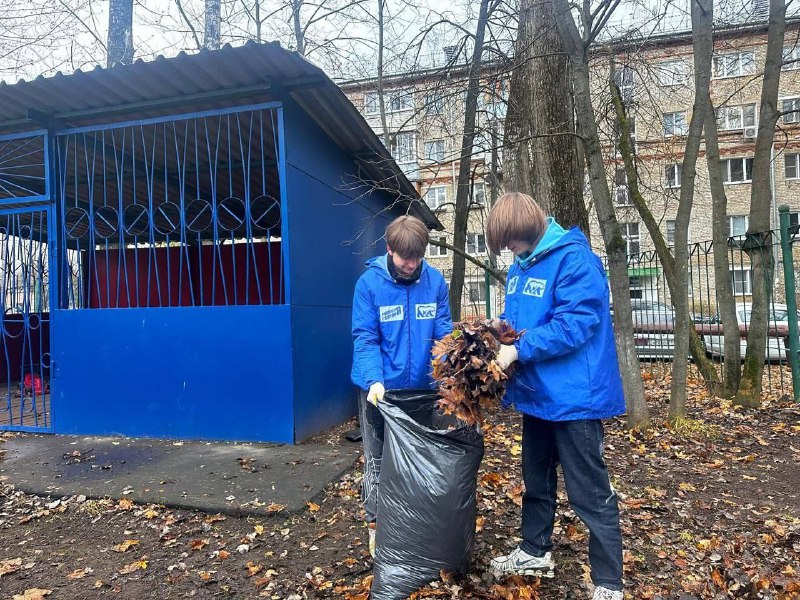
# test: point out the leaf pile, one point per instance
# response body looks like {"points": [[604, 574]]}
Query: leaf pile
{"points": [[464, 366]]}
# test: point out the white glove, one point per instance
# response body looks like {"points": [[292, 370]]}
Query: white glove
{"points": [[506, 356], [493, 323], [376, 392]]}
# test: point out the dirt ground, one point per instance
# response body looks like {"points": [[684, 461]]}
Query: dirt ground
{"points": [[711, 510]]}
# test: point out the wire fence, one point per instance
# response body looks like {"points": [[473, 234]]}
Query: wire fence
{"points": [[653, 313]]}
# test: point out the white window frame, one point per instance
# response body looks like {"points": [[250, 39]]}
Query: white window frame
{"points": [[434, 151], [474, 241], [404, 147], [791, 59], [400, 100], [372, 104], [625, 78], [794, 224], [671, 123], [672, 175], [479, 285], [731, 118], [669, 232], [672, 72], [733, 64], [633, 241], [436, 196], [622, 193], [747, 173], [479, 192], [434, 103], [437, 251], [745, 284], [792, 104], [791, 161], [745, 220]]}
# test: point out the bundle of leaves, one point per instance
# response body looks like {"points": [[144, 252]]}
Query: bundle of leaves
{"points": [[466, 369]]}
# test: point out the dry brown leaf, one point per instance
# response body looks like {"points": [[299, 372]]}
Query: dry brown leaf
{"points": [[312, 507], [134, 566], [10, 566], [125, 546], [79, 573], [198, 544], [33, 594]]}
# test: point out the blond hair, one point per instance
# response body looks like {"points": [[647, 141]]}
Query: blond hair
{"points": [[514, 217], [407, 236]]}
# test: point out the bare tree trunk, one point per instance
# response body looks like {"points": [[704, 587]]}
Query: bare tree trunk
{"points": [[703, 47], [696, 348], [638, 414], [760, 251], [212, 23], [461, 218], [120, 32], [544, 160], [726, 304], [381, 100], [299, 33]]}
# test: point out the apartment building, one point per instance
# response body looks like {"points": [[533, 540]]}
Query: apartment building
{"points": [[424, 117]]}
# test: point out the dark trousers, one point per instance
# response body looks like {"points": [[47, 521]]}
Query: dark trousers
{"points": [[371, 421], [578, 446]]}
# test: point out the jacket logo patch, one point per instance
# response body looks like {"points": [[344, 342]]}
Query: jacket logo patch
{"points": [[426, 311], [534, 287], [512, 284], [391, 313]]}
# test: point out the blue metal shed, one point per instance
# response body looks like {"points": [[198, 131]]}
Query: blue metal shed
{"points": [[179, 241]]}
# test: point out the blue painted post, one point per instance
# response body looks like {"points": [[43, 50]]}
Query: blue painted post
{"points": [[791, 300]]}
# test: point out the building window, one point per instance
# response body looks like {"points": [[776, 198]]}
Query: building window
{"points": [[734, 64], [675, 123], [736, 117], [404, 148], [791, 109], [737, 226], [794, 225], [792, 166], [434, 151], [434, 251], [621, 190], [436, 196], [476, 244], [434, 103], [479, 193], [371, 104], [737, 170], [630, 233], [672, 72], [742, 281], [476, 291], [791, 59], [400, 100], [623, 77], [672, 175], [670, 233]]}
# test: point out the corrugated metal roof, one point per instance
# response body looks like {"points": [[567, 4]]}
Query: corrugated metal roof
{"points": [[208, 79]]}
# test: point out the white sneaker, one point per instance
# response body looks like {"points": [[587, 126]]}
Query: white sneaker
{"points": [[520, 562], [372, 542], [601, 593]]}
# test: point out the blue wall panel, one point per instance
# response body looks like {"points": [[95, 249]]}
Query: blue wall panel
{"points": [[334, 226], [324, 396], [200, 372]]}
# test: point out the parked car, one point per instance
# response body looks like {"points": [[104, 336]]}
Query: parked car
{"points": [[776, 338], [653, 324]]}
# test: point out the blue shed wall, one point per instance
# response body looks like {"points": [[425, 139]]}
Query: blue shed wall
{"points": [[200, 372], [328, 249]]}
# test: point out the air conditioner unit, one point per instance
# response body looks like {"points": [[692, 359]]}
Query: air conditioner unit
{"points": [[750, 132]]}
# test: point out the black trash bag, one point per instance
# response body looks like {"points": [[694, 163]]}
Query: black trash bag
{"points": [[426, 495]]}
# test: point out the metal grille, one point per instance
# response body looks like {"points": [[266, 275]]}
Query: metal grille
{"points": [[167, 213], [23, 175], [25, 332]]}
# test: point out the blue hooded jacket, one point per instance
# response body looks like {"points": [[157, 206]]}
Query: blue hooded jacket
{"points": [[394, 326], [567, 366]]}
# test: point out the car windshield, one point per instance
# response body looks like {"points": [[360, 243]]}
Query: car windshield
{"points": [[777, 315]]}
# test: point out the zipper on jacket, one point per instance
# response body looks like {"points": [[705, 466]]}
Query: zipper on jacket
{"points": [[408, 314]]}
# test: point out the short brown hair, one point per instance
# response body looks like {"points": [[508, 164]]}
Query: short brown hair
{"points": [[407, 236], [515, 216]]}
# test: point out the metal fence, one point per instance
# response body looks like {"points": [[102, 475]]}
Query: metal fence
{"points": [[653, 313]]}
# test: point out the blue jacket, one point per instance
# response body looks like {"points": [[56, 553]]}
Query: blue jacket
{"points": [[567, 358], [394, 327]]}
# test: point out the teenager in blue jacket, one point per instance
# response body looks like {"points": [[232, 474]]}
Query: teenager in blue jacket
{"points": [[400, 308], [566, 381]]}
